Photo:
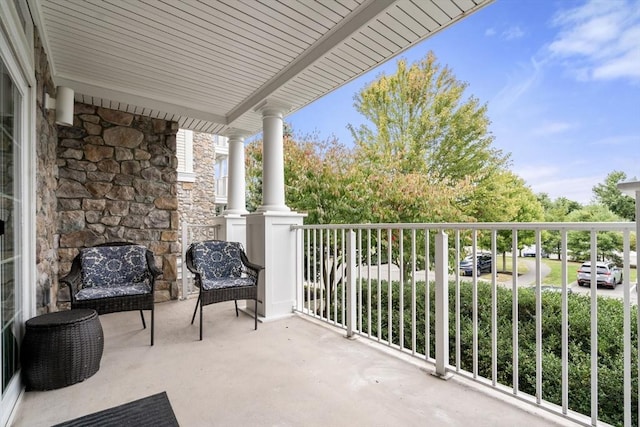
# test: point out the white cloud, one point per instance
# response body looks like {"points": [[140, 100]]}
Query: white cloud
{"points": [[513, 32], [529, 75], [599, 40], [529, 173], [619, 140], [552, 128], [490, 32], [550, 180]]}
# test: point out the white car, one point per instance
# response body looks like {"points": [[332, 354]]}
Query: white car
{"points": [[530, 251], [608, 274]]}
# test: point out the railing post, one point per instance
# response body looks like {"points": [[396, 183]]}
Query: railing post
{"points": [[183, 264], [351, 283], [442, 304]]}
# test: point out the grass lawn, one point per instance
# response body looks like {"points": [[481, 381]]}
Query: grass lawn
{"points": [[504, 274], [554, 278]]}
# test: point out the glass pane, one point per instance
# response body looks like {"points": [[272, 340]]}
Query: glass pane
{"points": [[10, 296]]}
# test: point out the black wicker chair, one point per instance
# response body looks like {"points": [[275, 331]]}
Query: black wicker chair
{"points": [[113, 277], [222, 273]]}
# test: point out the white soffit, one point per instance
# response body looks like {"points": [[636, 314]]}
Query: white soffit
{"points": [[208, 63]]}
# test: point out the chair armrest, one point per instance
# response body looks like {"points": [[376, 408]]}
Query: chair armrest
{"points": [[73, 279], [151, 264], [249, 264], [189, 260]]}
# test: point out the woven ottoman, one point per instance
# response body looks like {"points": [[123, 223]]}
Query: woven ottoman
{"points": [[61, 348]]}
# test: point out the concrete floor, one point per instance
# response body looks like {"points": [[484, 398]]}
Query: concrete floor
{"points": [[290, 372]]}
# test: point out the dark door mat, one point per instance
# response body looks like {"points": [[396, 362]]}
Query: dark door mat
{"points": [[149, 411]]}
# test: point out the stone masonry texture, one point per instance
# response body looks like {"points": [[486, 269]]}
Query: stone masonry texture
{"points": [[117, 181], [46, 181]]}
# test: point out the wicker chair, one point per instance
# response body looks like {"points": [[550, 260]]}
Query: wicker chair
{"points": [[113, 277], [222, 273]]}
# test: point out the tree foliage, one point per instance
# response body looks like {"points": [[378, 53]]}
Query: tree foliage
{"points": [[555, 211], [579, 242], [419, 123], [608, 194]]}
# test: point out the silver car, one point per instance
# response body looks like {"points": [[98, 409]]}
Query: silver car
{"points": [[608, 274]]}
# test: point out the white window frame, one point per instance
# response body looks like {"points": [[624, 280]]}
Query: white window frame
{"points": [[185, 156], [16, 51]]}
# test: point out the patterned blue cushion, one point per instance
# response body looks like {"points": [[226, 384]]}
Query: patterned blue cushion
{"points": [[231, 282], [115, 267], [217, 259], [129, 289]]}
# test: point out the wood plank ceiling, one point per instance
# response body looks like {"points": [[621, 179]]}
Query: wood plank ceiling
{"points": [[209, 63]]}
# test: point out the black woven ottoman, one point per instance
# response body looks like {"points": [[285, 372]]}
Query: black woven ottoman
{"points": [[61, 348]]}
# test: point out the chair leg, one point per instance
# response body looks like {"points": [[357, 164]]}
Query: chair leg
{"points": [[144, 325], [200, 320], [236, 301], [152, 321], [195, 310], [255, 315]]}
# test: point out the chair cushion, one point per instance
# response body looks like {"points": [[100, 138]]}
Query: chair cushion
{"points": [[231, 282], [114, 266], [119, 291], [217, 259]]}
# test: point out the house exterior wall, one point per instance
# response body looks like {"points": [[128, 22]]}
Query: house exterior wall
{"points": [[196, 199], [46, 183], [117, 181]]}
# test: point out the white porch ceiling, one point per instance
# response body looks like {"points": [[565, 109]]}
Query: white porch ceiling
{"points": [[208, 64]]}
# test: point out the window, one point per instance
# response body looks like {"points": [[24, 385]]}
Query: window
{"points": [[184, 151]]}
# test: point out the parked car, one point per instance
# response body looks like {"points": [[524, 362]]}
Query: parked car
{"points": [[608, 274], [530, 251], [482, 264]]}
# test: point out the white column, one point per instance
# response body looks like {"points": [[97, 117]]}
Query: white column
{"points": [[270, 240], [236, 204], [272, 160]]}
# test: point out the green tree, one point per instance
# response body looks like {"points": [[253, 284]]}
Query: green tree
{"points": [[579, 242], [420, 123], [555, 211], [426, 153], [512, 201], [608, 194]]}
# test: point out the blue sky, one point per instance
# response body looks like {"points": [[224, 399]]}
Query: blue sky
{"points": [[561, 79]]}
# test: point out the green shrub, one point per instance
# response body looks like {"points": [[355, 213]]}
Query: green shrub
{"points": [[610, 340]]}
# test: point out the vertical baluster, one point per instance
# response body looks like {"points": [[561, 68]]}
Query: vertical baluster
{"points": [[379, 253], [389, 286], [494, 308], [413, 291], [538, 318], [565, 322], [369, 282], [427, 295], [401, 293], [457, 261], [626, 329], [474, 299], [344, 272], [514, 309], [594, 327]]}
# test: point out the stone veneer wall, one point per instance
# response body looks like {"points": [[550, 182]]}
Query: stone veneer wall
{"points": [[117, 182], [196, 199], [46, 182]]}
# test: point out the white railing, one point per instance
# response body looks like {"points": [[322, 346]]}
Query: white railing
{"points": [[363, 278], [192, 233]]}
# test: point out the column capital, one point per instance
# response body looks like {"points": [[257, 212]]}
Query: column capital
{"points": [[271, 107], [233, 133], [631, 188]]}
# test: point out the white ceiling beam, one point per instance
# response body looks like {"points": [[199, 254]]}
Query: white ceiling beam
{"points": [[140, 100], [365, 13]]}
